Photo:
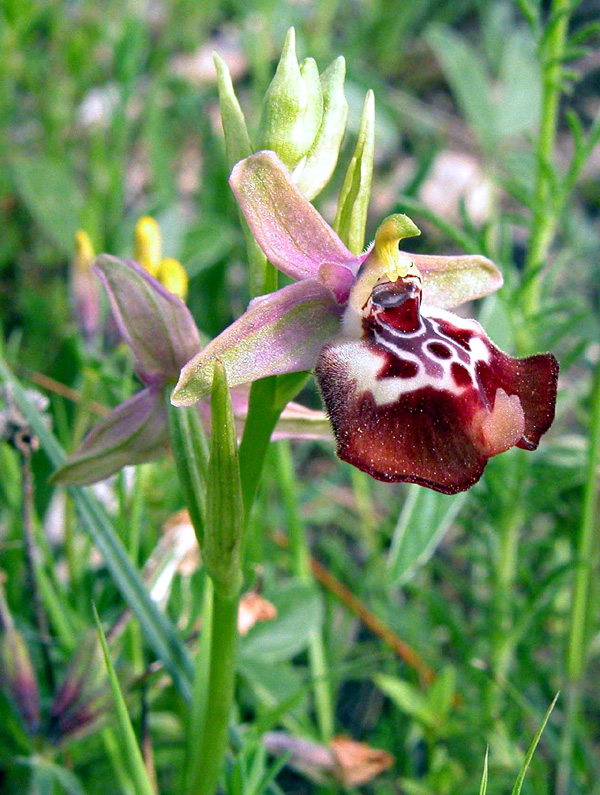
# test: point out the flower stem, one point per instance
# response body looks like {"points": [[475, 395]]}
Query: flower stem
{"points": [[302, 569], [543, 222], [219, 695], [577, 644]]}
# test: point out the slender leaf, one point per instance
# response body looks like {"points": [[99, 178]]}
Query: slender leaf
{"points": [[138, 770], [424, 521], [159, 631]]}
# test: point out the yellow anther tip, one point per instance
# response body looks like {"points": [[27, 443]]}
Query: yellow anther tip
{"points": [[148, 246], [173, 277], [84, 251]]}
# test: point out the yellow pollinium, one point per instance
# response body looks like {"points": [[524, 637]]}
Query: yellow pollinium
{"points": [[84, 251], [148, 252], [148, 245], [172, 275]]}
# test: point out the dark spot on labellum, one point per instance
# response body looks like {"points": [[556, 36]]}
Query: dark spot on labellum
{"points": [[460, 375], [397, 368], [439, 350]]}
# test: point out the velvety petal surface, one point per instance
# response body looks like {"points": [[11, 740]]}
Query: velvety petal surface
{"points": [[451, 281], [431, 404], [134, 432], [280, 333], [289, 230], [156, 325]]}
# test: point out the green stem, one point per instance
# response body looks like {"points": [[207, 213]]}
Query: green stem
{"points": [[301, 564], [190, 450], [197, 715], [504, 582], [260, 422], [219, 698], [543, 228], [543, 222], [577, 650]]}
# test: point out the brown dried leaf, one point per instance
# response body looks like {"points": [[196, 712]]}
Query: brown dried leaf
{"points": [[358, 763], [253, 608]]}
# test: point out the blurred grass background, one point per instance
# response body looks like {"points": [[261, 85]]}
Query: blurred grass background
{"points": [[108, 111]]}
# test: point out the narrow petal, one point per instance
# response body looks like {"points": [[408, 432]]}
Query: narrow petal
{"points": [[134, 432], [280, 333], [430, 406], [289, 230], [156, 325], [451, 281]]}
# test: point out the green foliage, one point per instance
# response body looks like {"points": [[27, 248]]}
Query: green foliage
{"points": [[108, 113]]}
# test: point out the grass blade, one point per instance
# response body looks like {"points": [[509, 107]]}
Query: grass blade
{"points": [[158, 630], [138, 771], [529, 755]]}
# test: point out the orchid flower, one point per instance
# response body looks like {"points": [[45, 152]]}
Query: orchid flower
{"points": [[162, 334], [414, 393]]}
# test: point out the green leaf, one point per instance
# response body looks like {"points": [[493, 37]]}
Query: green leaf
{"points": [[423, 522], [190, 450], [407, 698], [159, 631], [484, 777], [299, 612], [531, 750], [355, 195], [237, 140], [52, 197], [137, 768], [222, 550]]}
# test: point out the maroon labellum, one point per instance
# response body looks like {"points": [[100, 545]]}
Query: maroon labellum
{"points": [[423, 396]]}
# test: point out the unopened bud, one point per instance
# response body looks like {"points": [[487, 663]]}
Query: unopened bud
{"points": [[83, 697], [314, 172], [148, 245], [85, 288], [351, 219], [17, 673], [292, 108], [173, 277]]}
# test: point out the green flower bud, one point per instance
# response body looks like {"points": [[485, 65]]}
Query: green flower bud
{"points": [[221, 550], [293, 107], [315, 171], [353, 203]]}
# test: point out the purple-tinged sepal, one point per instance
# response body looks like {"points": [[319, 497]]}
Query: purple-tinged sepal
{"points": [[280, 333], [290, 232], [156, 324], [133, 433], [17, 674], [83, 699]]}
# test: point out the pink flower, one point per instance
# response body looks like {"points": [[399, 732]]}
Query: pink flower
{"points": [[414, 393]]}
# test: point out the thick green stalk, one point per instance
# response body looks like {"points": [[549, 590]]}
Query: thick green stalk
{"points": [[222, 555], [301, 564], [577, 649], [543, 222], [220, 693]]}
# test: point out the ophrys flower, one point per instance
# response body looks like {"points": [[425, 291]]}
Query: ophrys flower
{"points": [[414, 392]]}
